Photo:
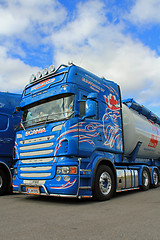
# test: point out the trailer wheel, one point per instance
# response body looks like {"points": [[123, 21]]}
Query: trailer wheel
{"points": [[104, 184], [155, 178], [3, 182], [145, 179]]}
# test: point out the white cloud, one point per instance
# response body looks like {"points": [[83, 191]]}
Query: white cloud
{"points": [[14, 74], [24, 22], [145, 12], [94, 43], [19, 16], [86, 37]]}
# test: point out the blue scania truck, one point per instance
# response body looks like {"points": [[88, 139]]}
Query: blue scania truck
{"points": [[9, 123], [79, 139]]}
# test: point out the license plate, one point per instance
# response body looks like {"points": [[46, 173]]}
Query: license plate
{"points": [[33, 190]]}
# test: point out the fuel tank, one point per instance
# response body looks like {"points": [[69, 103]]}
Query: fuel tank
{"points": [[140, 125]]}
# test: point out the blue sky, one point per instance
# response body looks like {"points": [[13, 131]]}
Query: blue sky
{"points": [[117, 39]]}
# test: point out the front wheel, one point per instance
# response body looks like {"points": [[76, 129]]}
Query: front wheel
{"points": [[3, 182], [104, 184]]}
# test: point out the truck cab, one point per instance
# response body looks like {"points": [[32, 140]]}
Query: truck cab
{"points": [[9, 123], [67, 129], [71, 140]]}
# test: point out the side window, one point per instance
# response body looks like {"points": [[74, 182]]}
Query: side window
{"points": [[82, 108], [3, 122]]}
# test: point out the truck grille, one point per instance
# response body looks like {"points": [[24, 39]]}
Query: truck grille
{"points": [[35, 168], [43, 145], [34, 163], [28, 154], [28, 146], [37, 160], [34, 140], [35, 175]]}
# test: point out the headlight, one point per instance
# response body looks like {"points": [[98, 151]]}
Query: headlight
{"points": [[66, 170]]}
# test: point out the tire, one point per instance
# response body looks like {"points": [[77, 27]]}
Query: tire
{"points": [[146, 181], [155, 178], [3, 183], [104, 184]]}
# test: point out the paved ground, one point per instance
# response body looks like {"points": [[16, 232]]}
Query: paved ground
{"points": [[132, 215]]}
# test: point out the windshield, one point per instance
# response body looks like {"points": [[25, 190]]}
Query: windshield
{"points": [[50, 110]]}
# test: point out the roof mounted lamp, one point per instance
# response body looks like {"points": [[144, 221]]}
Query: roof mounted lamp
{"points": [[32, 78], [39, 75], [51, 69]]}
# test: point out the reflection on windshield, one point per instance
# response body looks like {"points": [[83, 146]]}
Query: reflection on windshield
{"points": [[53, 110]]}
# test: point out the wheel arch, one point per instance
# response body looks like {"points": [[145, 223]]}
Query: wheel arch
{"points": [[8, 173], [107, 162]]}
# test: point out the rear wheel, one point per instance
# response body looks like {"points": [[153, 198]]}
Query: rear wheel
{"points": [[104, 184], [145, 179], [3, 182], [155, 178]]}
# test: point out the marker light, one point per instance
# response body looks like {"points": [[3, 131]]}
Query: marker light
{"points": [[51, 69], [39, 75], [32, 78], [70, 62], [57, 128], [64, 86], [45, 72], [19, 135]]}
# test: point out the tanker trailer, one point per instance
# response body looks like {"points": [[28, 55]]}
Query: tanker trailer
{"points": [[141, 137], [140, 126]]}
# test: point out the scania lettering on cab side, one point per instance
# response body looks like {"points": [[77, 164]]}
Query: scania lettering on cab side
{"points": [[78, 139], [9, 123]]}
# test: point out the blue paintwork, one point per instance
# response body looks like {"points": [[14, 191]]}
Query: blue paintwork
{"points": [[82, 142], [9, 123]]}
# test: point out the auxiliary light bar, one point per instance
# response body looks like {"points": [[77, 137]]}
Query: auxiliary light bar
{"points": [[39, 75], [46, 71]]}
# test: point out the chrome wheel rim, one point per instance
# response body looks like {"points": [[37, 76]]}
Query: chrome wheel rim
{"points": [[155, 177], [105, 183], [1, 181], [145, 178]]}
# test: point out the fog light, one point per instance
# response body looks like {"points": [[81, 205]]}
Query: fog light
{"points": [[66, 178], [58, 178]]}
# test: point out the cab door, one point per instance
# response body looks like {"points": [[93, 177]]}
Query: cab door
{"points": [[90, 127]]}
